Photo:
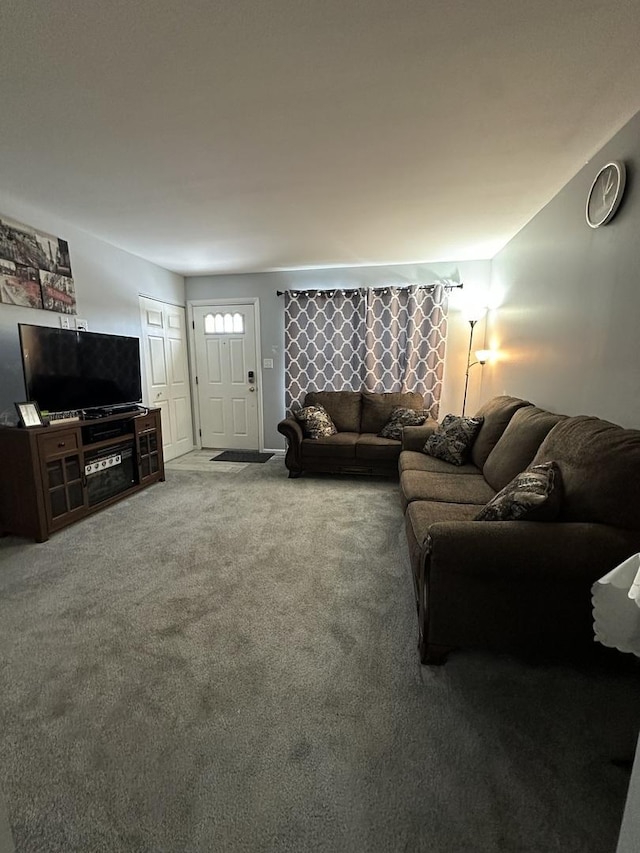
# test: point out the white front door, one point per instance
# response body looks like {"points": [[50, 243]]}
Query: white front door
{"points": [[164, 351], [227, 375]]}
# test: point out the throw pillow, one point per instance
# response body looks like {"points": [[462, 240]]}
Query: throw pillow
{"points": [[316, 422], [533, 495], [399, 418], [453, 439]]}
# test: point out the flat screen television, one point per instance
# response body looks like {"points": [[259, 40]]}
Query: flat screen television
{"points": [[66, 370]]}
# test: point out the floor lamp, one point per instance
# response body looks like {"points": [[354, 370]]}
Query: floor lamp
{"points": [[481, 355]]}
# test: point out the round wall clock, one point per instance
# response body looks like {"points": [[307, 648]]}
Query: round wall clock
{"points": [[605, 194]]}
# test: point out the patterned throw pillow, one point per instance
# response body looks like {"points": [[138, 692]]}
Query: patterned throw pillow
{"points": [[453, 439], [316, 422], [533, 495], [399, 418]]}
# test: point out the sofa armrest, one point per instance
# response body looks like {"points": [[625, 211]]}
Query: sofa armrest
{"points": [[527, 550], [414, 437], [514, 584], [292, 431]]}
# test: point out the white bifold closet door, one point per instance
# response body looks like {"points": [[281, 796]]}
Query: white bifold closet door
{"points": [[166, 372]]}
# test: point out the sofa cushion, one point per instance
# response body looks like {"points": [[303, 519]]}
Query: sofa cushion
{"points": [[370, 446], [315, 422], [496, 413], [342, 445], [410, 460], [453, 439], [343, 407], [600, 465], [399, 418], [377, 408], [421, 515], [518, 444], [533, 495], [450, 488]]}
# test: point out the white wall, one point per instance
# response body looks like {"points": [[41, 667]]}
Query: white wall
{"points": [[107, 281], [474, 274], [566, 322], [569, 301]]}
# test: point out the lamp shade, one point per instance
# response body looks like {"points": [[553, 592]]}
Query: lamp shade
{"points": [[473, 313], [483, 355], [616, 607]]}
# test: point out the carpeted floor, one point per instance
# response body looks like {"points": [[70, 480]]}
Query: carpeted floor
{"points": [[227, 663]]}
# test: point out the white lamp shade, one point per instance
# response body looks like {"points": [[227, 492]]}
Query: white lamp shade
{"points": [[473, 313], [483, 355], [616, 607]]}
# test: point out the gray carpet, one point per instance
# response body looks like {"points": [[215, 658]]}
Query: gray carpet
{"points": [[227, 663]]}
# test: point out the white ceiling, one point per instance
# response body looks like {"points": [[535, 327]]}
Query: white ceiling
{"points": [[246, 135]]}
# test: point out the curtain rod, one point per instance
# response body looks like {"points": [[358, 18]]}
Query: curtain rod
{"points": [[332, 290]]}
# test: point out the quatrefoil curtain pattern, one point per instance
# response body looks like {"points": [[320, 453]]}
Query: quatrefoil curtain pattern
{"points": [[377, 339]]}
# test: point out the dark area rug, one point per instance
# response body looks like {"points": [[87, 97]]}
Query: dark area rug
{"points": [[242, 456]]}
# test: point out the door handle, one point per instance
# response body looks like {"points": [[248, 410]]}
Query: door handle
{"points": [[252, 388]]}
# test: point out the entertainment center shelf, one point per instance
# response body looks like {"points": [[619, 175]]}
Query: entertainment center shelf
{"points": [[56, 475]]}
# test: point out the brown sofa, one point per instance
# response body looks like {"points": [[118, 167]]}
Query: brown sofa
{"points": [[517, 585], [356, 448]]}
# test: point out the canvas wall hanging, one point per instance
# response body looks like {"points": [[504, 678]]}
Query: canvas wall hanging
{"points": [[35, 269]]}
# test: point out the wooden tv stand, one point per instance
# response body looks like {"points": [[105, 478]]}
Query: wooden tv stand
{"points": [[53, 476]]}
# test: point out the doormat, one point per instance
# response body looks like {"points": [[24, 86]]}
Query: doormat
{"points": [[241, 456]]}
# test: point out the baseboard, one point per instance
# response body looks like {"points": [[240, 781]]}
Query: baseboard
{"points": [[275, 452]]}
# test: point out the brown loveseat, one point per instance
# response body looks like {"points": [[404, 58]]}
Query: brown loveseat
{"points": [[356, 447], [510, 585]]}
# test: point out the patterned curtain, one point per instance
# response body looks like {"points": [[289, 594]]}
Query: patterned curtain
{"points": [[379, 339]]}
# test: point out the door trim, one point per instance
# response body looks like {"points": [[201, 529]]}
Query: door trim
{"points": [[225, 300]]}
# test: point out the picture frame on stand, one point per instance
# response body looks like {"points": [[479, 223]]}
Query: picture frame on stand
{"points": [[29, 415]]}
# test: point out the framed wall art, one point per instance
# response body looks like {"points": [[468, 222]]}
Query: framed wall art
{"points": [[35, 269]]}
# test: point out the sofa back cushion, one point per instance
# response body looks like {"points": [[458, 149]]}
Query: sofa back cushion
{"points": [[496, 414], [518, 444], [600, 465], [377, 408], [343, 407]]}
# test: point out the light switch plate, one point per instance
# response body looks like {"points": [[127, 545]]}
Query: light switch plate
{"points": [[267, 363], [65, 322], [82, 325]]}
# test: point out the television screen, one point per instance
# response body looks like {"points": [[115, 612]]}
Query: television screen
{"points": [[66, 370]]}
